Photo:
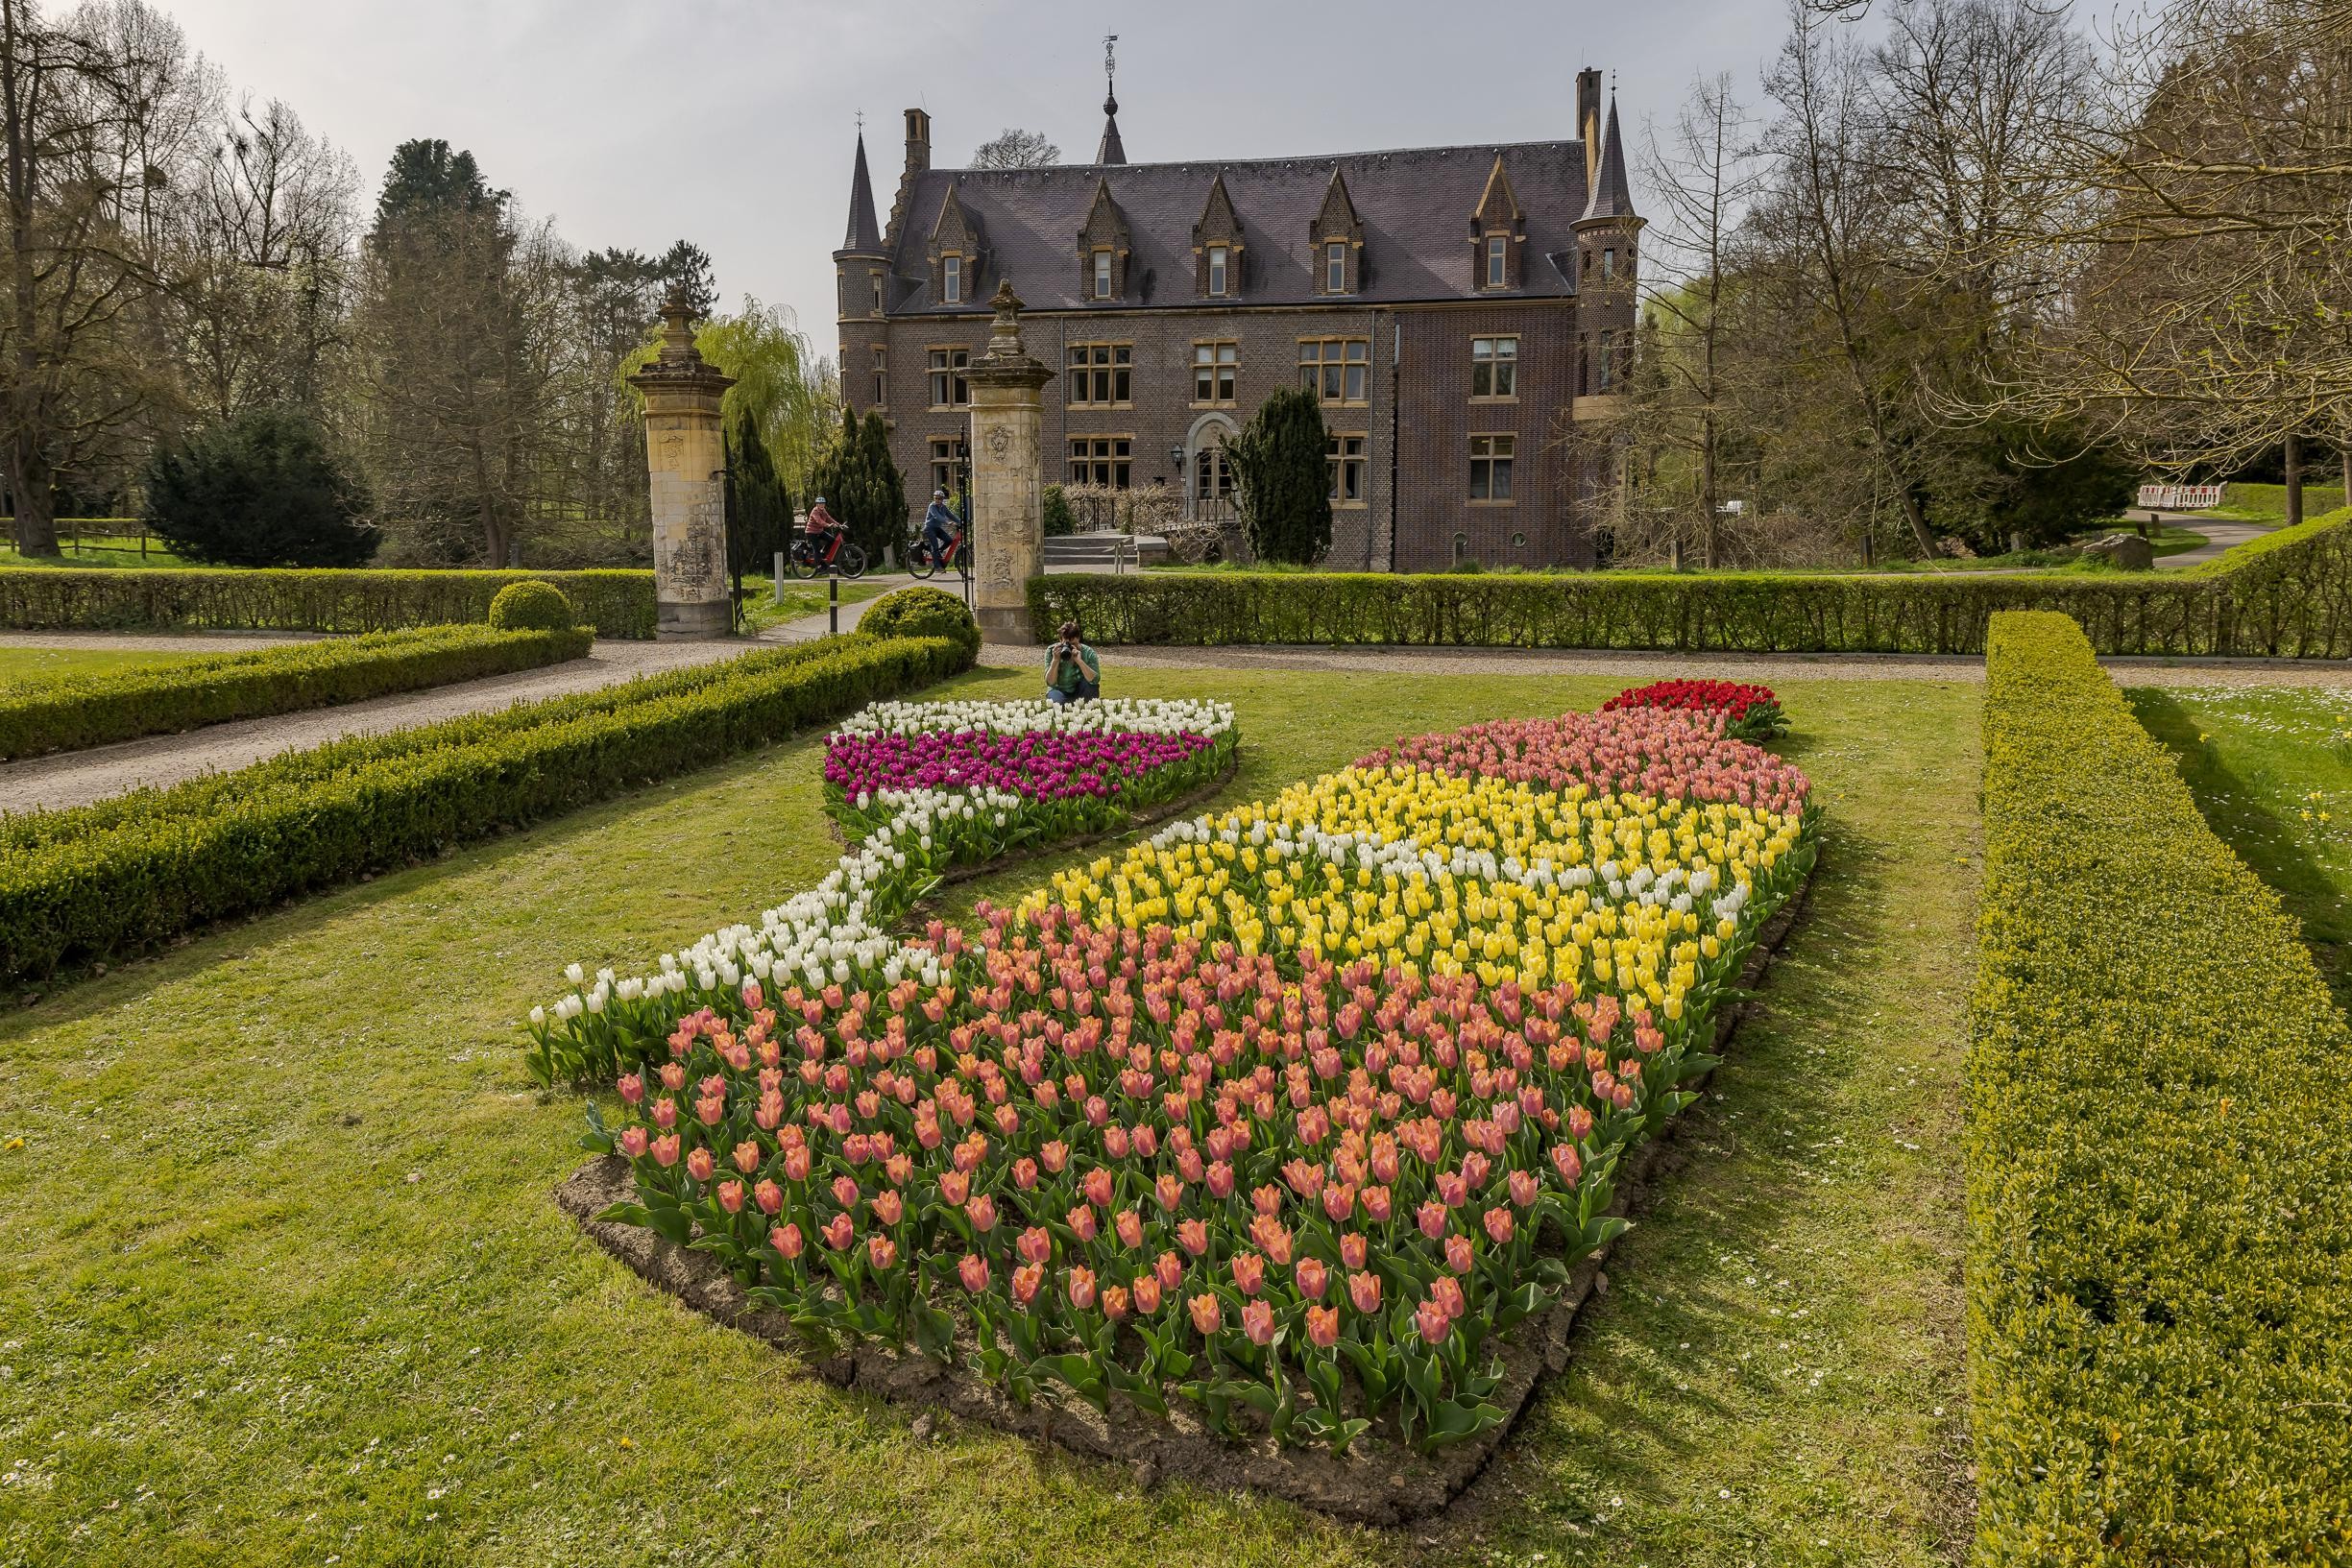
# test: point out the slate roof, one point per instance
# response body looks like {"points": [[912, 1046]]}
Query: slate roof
{"points": [[1416, 206], [864, 235], [1612, 197]]}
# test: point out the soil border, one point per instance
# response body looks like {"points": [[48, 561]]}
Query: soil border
{"points": [[1375, 1483]]}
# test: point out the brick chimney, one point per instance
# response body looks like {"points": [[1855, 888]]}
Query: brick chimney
{"points": [[919, 161], [1587, 120]]}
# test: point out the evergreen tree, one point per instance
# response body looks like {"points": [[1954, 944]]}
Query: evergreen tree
{"points": [[837, 475], [883, 521], [759, 509], [262, 490], [1282, 479]]}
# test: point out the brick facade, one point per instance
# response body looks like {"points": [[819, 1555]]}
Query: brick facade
{"points": [[1415, 304]]}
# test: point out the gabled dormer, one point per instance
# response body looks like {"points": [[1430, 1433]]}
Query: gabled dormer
{"points": [[1337, 237], [1499, 235], [1217, 246], [956, 254], [1105, 246]]}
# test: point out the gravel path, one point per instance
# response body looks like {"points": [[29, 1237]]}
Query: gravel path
{"points": [[78, 778], [187, 642], [1658, 666]]}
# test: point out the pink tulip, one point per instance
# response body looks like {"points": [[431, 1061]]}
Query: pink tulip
{"points": [[845, 1192], [1082, 1220], [1458, 1254], [1431, 1320], [1129, 1226], [889, 1207], [1523, 1187], [665, 1114], [1354, 1249], [1082, 1288], [974, 1269], [1431, 1216], [1098, 1187], [1036, 1244], [1376, 1204], [1025, 1173], [665, 1149], [1363, 1289], [1026, 1281], [787, 1239], [1147, 1295], [1207, 1314], [731, 1197], [633, 1142], [632, 1088], [1258, 1322], [1115, 1299], [1314, 1278], [1249, 1272], [953, 1188], [1447, 1292], [838, 1232], [881, 1250], [768, 1196], [796, 1163], [1170, 1269]]}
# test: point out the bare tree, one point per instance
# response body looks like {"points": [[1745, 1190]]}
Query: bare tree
{"points": [[1016, 149]]}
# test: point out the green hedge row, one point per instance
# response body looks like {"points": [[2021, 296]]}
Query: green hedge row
{"points": [[2159, 1159], [617, 603], [121, 875], [69, 711], [2290, 593]]}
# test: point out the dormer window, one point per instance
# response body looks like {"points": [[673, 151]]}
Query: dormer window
{"points": [[1102, 275], [1334, 267], [1609, 264], [1498, 261], [1220, 268], [951, 280]]}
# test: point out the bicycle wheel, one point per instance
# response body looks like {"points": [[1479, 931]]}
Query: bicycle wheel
{"points": [[851, 562], [920, 562], [804, 562]]}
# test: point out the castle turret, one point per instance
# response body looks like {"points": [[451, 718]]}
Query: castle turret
{"points": [[862, 286], [1607, 275]]}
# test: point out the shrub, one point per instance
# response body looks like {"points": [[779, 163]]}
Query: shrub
{"points": [[118, 876], [2160, 1207], [531, 607], [615, 603], [1282, 469], [1060, 520], [75, 711], [923, 612], [2289, 594], [261, 490]]}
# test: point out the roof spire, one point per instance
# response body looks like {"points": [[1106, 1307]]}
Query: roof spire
{"points": [[1113, 150], [864, 235], [1611, 195]]}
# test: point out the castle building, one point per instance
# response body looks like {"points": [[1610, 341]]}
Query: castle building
{"points": [[1453, 308]]}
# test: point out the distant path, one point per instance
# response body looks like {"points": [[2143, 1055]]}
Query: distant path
{"points": [[78, 778], [2220, 533], [1639, 666], [191, 643]]}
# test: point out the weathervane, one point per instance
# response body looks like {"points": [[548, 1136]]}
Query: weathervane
{"points": [[1110, 66], [862, 122]]}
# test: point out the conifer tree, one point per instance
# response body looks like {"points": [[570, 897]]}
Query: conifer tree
{"points": [[1282, 479]]}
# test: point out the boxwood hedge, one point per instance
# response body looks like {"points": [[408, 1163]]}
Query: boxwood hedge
{"points": [[121, 875], [2159, 1182], [73, 710], [2289, 594], [617, 603]]}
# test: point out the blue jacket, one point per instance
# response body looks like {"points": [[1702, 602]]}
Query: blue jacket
{"points": [[942, 517]]}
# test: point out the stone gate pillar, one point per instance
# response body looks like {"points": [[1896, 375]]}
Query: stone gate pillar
{"points": [[685, 453], [1007, 482]]}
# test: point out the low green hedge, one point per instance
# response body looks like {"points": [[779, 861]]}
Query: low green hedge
{"points": [[121, 875], [2286, 594], [2159, 1160], [617, 603], [73, 710]]}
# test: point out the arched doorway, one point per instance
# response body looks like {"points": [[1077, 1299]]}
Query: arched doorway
{"points": [[1208, 474]]}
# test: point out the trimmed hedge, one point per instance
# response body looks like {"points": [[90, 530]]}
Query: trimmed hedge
{"points": [[530, 607], [2159, 1159], [70, 711], [922, 611], [121, 875], [617, 603], [2289, 594]]}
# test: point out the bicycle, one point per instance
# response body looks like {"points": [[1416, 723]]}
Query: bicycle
{"points": [[922, 561], [815, 555]]}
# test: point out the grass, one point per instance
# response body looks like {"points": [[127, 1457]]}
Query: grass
{"points": [[284, 1282], [2272, 772], [18, 664], [157, 559], [801, 599], [2267, 503]]}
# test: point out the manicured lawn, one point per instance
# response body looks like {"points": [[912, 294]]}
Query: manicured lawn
{"points": [[284, 1281], [156, 558], [38, 664], [801, 599], [2272, 772], [2267, 503]]}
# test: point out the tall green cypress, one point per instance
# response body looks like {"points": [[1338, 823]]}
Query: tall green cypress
{"points": [[761, 509], [883, 519], [1282, 479]]}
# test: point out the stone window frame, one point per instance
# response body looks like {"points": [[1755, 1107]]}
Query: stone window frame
{"points": [[1103, 273], [1336, 255], [1078, 374], [878, 298], [1216, 263], [940, 363], [1101, 455], [952, 277], [1339, 458], [1229, 369], [1501, 367], [1500, 457], [1494, 258], [1314, 369]]}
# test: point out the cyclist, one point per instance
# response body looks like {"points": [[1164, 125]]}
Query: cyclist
{"points": [[940, 526], [825, 530]]}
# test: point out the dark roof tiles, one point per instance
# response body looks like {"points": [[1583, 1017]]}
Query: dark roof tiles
{"points": [[1416, 208]]}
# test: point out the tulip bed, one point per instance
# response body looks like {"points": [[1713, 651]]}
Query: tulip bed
{"points": [[1751, 712], [1288, 1114]]}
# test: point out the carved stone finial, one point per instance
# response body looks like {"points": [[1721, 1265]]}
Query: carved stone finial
{"points": [[678, 331], [1005, 337]]}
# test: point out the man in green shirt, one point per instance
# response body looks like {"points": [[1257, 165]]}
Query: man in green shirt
{"points": [[1073, 673]]}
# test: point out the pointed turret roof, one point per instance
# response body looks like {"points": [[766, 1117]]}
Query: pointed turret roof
{"points": [[1113, 150], [864, 236], [1612, 195]]}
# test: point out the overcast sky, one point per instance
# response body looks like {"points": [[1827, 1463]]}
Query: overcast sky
{"points": [[731, 122]]}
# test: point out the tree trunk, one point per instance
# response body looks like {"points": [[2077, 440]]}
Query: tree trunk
{"points": [[2294, 479], [2346, 451], [31, 487], [30, 477]]}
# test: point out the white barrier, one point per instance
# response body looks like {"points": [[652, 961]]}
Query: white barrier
{"points": [[2179, 497]]}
